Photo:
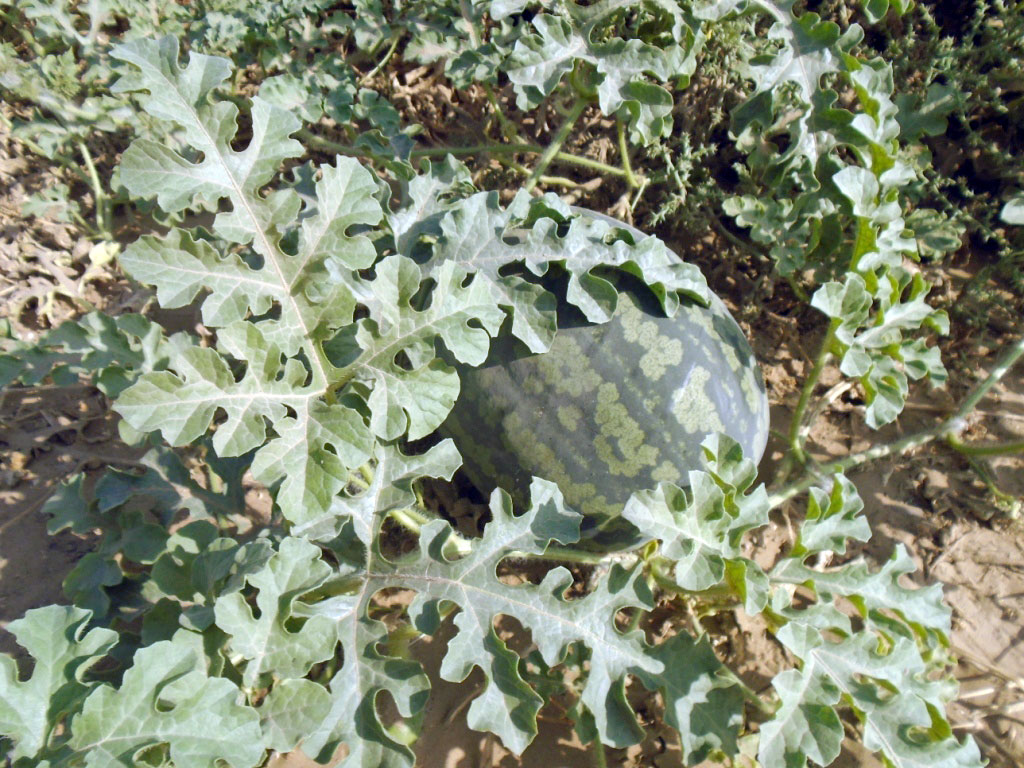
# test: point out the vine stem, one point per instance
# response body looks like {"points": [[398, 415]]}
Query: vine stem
{"points": [[949, 429], [797, 434], [556, 144], [748, 693], [382, 63], [864, 241], [100, 197], [627, 166], [509, 130], [26, 35], [474, 149], [31, 145], [984, 449], [413, 519]]}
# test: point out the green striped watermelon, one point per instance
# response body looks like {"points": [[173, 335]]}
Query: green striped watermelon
{"points": [[611, 408]]}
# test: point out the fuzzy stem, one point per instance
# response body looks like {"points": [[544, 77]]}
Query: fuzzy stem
{"points": [[467, 16], [476, 149], [627, 166], [798, 290], [395, 40], [908, 443], [556, 144], [100, 198], [748, 693], [950, 427], [508, 129], [635, 619], [414, 518], [1011, 356], [796, 432], [577, 556], [985, 449], [1009, 501], [26, 35], [863, 242]]}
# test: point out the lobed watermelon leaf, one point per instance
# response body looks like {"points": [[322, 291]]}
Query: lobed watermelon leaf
{"points": [[167, 698], [63, 649]]}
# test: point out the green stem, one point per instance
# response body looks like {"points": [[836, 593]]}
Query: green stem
{"points": [[984, 449], [624, 153], [908, 443], [721, 229], [382, 63], [1009, 358], [556, 144], [467, 16], [413, 519], [597, 751], [950, 427], [1010, 503], [668, 583], [748, 693], [99, 196], [508, 129], [576, 556], [797, 434], [547, 181], [586, 162], [798, 290], [23, 30], [635, 619], [476, 149], [863, 242]]}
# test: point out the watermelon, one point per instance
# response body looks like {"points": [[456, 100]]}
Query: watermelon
{"points": [[611, 408]]}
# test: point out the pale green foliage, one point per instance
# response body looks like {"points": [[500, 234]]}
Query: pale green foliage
{"points": [[334, 315], [701, 529], [1013, 211], [879, 669], [568, 35], [198, 717], [63, 650], [843, 219], [265, 643], [308, 609]]}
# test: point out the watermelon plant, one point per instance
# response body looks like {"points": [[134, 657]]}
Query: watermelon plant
{"points": [[607, 408], [357, 312]]}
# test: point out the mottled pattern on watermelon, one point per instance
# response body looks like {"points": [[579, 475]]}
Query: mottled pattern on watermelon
{"points": [[611, 408]]}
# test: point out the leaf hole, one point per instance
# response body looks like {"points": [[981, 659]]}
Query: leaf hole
{"points": [[240, 141]]}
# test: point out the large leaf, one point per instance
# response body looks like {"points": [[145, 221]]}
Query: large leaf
{"points": [[267, 643], [63, 650], [875, 348], [706, 708], [888, 688], [352, 717], [167, 698], [113, 350], [395, 353], [182, 407], [390, 489], [507, 706], [481, 237]]}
